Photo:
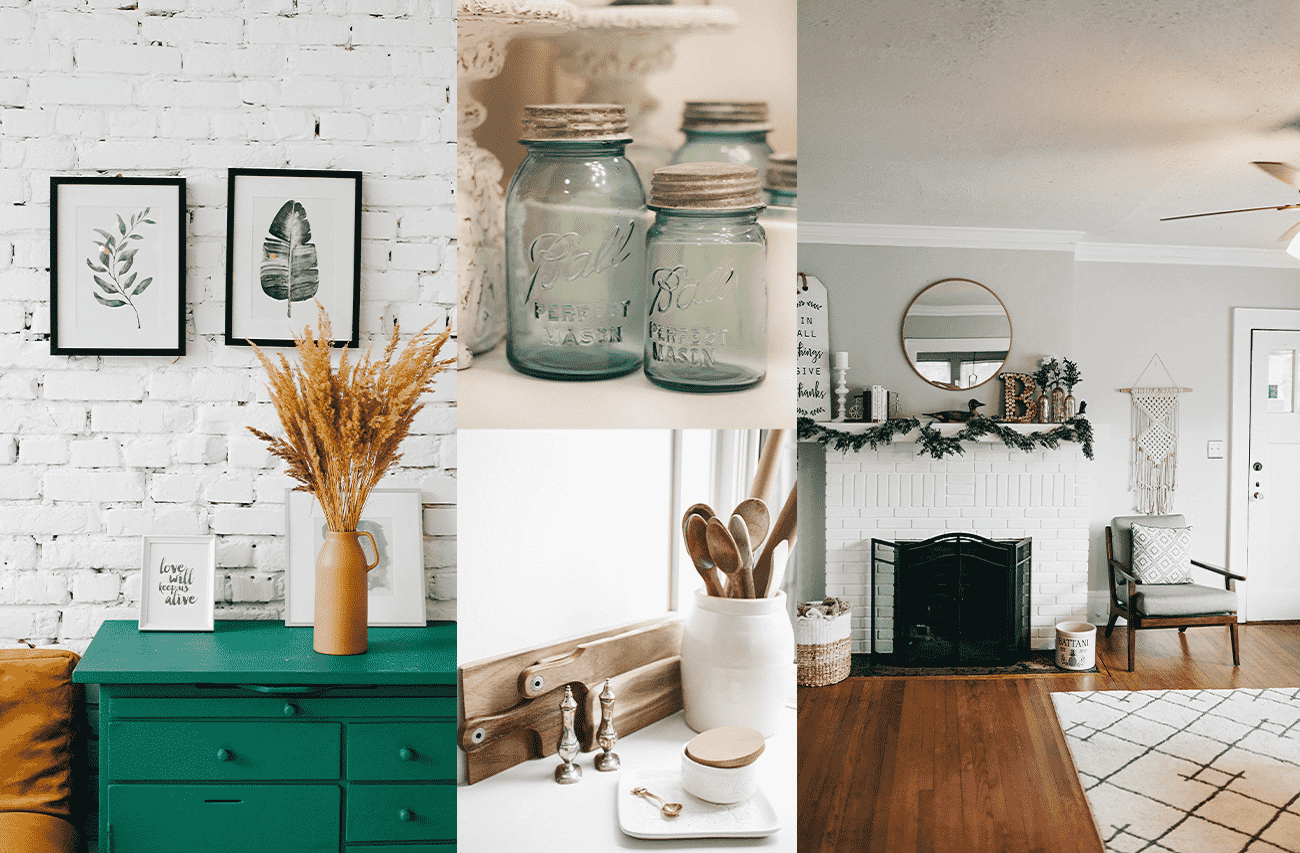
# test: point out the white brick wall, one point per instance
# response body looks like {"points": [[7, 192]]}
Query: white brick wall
{"points": [[995, 492], [95, 452]]}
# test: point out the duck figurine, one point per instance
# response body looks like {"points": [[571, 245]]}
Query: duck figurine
{"points": [[956, 416]]}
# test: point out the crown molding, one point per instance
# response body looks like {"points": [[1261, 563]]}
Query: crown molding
{"points": [[1225, 256], [1030, 239], [938, 236]]}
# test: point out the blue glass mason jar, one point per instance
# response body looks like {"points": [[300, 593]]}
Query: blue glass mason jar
{"points": [[781, 183], [707, 261], [726, 132], [575, 246]]}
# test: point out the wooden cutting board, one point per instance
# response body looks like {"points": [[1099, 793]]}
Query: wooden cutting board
{"points": [[501, 727]]}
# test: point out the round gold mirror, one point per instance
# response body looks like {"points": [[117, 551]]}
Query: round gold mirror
{"points": [[956, 334]]}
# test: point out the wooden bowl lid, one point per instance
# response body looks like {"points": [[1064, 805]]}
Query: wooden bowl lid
{"points": [[727, 746]]}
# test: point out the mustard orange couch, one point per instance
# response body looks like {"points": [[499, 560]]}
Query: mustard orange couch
{"points": [[39, 731]]}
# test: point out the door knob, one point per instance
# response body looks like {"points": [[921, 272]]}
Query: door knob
{"points": [[1259, 496], [290, 709], [406, 815], [1258, 466], [406, 754], [224, 755]]}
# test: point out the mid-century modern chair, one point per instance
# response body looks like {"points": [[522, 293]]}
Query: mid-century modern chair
{"points": [[1166, 605]]}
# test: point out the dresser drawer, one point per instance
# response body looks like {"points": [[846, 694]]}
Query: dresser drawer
{"points": [[222, 751], [401, 812], [257, 706], [223, 818], [399, 752]]}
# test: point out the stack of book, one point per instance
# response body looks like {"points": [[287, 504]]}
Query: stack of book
{"points": [[874, 404]]}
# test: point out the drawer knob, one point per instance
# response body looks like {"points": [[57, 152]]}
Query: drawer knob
{"points": [[406, 754], [406, 815], [290, 709], [225, 755]]}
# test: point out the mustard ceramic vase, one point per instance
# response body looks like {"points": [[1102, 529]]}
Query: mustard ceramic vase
{"points": [[341, 594]]}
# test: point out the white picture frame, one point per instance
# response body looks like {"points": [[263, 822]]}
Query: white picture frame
{"points": [[177, 583], [396, 593]]}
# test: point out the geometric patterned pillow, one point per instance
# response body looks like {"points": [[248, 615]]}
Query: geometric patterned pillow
{"points": [[1162, 554]]}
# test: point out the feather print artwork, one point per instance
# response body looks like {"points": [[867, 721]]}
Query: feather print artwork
{"points": [[289, 270]]}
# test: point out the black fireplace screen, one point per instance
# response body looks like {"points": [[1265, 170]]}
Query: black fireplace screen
{"points": [[956, 599]]}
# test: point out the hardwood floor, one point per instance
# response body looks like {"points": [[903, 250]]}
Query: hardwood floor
{"points": [[897, 765]]}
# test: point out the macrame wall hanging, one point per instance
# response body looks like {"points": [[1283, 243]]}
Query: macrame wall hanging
{"points": [[1153, 473]]}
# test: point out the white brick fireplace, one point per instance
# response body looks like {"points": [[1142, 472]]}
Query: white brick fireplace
{"points": [[990, 490]]}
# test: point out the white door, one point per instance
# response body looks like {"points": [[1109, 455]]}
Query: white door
{"points": [[1273, 504]]}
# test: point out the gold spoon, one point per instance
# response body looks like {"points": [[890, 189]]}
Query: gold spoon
{"points": [[669, 810]]}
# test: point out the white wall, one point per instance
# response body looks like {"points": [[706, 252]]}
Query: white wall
{"points": [[562, 533], [99, 450], [1108, 317]]}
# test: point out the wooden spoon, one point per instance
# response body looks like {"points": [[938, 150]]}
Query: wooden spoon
{"points": [[697, 546], [784, 530], [740, 533], [757, 520], [703, 510], [722, 548]]}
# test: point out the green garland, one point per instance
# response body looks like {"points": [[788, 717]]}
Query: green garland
{"points": [[937, 445]]}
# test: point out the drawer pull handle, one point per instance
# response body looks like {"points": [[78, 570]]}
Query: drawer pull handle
{"points": [[406, 754], [406, 815], [225, 755], [290, 709], [285, 689]]}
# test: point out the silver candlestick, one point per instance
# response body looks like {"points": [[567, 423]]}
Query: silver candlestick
{"points": [[605, 735], [568, 772], [841, 392]]}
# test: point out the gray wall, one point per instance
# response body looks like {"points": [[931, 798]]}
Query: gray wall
{"points": [[1109, 318]]}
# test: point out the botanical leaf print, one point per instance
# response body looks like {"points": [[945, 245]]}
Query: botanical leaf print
{"points": [[114, 259], [289, 259]]}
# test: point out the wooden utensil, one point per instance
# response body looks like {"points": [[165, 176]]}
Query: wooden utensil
{"points": [[702, 510], [722, 548], [592, 662], [757, 520], [740, 533], [697, 546], [785, 529], [767, 461], [646, 694], [643, 696], [491, 686]]}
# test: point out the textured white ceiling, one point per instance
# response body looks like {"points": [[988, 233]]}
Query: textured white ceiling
{"points": [[1080, 115]]}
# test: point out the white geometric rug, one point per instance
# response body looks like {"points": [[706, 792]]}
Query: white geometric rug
{"points": [[1192, 771]]}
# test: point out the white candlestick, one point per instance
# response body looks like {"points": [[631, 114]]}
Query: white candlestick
{"points": [[841, 387], [841, 360]]}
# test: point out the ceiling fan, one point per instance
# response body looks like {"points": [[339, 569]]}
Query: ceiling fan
{"points": [[1288, 175]]}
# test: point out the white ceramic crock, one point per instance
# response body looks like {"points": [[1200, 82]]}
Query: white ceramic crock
{"points": [[737, 662], [1076, 645], [724, 785]]}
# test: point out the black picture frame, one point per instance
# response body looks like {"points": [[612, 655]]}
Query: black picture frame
{"points": [[89, 289], [267, 209]]}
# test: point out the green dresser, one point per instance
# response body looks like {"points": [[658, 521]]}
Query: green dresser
{"points": [[246, 740]]}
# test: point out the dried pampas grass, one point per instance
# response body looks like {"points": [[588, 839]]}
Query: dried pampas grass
{"points": [[343, 428]]}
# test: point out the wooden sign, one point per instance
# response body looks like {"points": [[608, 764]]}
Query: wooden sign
{"points": [[813, 362]]}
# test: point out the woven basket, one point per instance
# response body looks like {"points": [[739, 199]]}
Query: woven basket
{"points": [[822, 648]]}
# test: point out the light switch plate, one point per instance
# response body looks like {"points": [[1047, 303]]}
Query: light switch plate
{"points": [[1214, 449]]}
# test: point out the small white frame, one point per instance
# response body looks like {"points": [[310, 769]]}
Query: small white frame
{"points": [[172, 567], [396, 586]]}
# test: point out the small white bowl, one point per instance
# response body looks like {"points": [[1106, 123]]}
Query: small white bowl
{"points": [[723, 785]]}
